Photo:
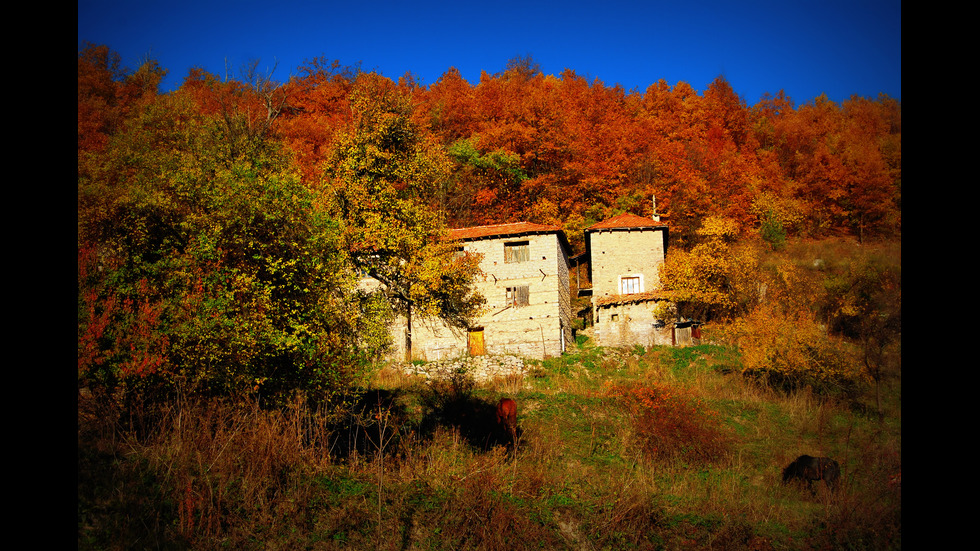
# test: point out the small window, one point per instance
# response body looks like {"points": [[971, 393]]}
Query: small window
{"points": [[517, 296], [518, 251], [614, 317], [631, 285]]}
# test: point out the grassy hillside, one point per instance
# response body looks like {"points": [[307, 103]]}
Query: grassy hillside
{"points": [[661, 448]]}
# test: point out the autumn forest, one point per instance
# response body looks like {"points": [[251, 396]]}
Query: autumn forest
{"points": [[228, 207], [559, 149], [232, 388]]}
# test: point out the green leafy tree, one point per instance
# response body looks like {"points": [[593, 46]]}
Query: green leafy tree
{"points": [[208, 266], [381, 177]]}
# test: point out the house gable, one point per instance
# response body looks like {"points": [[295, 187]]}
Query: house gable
{"points": [[625, 253]]}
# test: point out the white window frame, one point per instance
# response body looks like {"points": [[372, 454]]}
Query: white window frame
{"points": [[624, 284]]}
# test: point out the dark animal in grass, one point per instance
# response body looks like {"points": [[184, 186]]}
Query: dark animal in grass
{"points": [[808, 469], [507, 416]]}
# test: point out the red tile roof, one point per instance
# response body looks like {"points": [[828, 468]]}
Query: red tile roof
{"points": [[634, 297], [626, 221], [501, 230]]}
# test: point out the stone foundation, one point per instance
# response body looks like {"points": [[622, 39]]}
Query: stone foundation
{"points": [[481, 368]]}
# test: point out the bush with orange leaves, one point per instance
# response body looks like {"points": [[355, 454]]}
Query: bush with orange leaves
{"points": [[671, 423]]}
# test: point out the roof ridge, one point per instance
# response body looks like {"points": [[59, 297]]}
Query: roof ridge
{"points": [[524, 222], [508, 228], [626, 220]]}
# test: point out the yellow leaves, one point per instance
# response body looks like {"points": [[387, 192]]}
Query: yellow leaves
{"points": [[792, 350], [718, 228], [383, 169], [790, 288], [544, 211], [715, 276], [788, 212]]}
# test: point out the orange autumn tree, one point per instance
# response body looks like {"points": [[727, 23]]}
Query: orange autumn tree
{"points": [[587, 150], [598, 122], [316, 110], [521, 116], [480, 180], [108, 93], [590, 150], [100, 77], [873, 179], [448, 108], [675, 146], [843, 161], [729, 160]]}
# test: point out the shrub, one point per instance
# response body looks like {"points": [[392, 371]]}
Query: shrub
{"points": [[717, 277], [793, 352], [773, 232], [777, 218], [671, 424]]}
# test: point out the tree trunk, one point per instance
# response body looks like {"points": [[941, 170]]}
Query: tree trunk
{"points": [[408, 334]]}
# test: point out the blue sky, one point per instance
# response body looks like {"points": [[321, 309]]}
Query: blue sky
{"points": [[837, 47]]}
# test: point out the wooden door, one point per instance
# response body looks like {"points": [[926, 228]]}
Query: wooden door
{"points": [[476, 345]]}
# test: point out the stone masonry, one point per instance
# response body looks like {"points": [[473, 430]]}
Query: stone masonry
{"points": [[625, 254], [525, 271], [480, 368], [525, 283]]}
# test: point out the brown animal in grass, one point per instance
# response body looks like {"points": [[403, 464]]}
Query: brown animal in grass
{"points": [[507, 416]]}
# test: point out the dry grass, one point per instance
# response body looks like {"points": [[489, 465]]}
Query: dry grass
{"points": [[418, 467]]}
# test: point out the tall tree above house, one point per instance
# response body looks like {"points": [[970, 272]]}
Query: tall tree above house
{"points": [[381, 175]]}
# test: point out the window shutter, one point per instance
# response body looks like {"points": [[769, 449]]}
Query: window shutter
{"points": [[518, 296], [517, 252]]}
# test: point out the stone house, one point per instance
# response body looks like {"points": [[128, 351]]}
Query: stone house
{"points": [[525, 284], [624, 257]]}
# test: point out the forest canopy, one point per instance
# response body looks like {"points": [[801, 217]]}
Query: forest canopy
{"points": [[221, 226]]}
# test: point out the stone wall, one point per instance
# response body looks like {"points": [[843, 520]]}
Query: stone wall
{"points": [[619, 253], [615, 254], [480, 368], [432, 340], [631, 323], [536, 329], [564, 300], [540, 329]]}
